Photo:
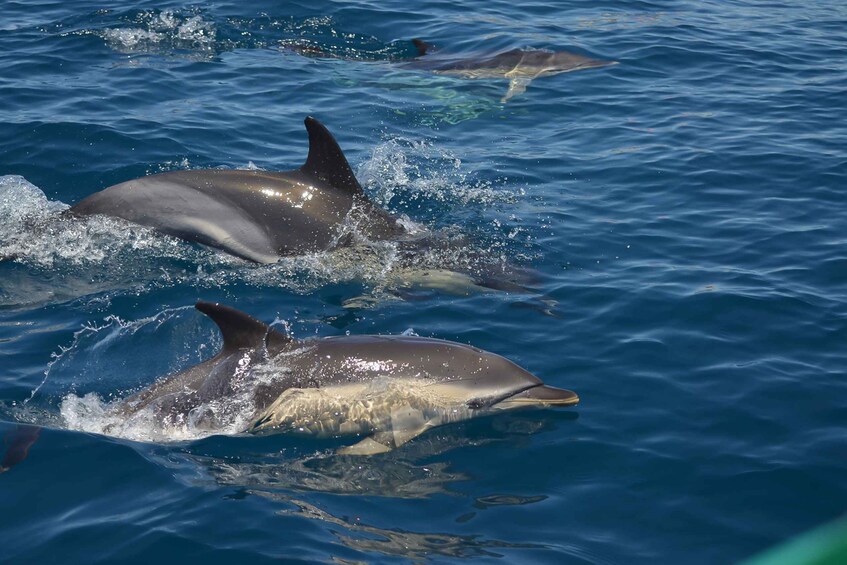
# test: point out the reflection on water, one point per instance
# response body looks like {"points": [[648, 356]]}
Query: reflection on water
{"points": [[396, 474], [340, 475], [397, 542], [287, 470], [284, 476], [483, 502], [293, 463]]}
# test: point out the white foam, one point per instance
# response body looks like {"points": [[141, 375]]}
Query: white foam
{"points": [[33, 230], [221, 416], [168, 32], [129, 39], [89, 413], [22, 201]]}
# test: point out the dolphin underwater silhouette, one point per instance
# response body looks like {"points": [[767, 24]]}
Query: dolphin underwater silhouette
{"points": [[520, 66], [389, 389], [256, 215]]}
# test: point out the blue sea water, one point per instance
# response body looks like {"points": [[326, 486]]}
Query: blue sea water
{"points": [[684, 210]]}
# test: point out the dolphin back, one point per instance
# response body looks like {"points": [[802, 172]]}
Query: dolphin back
{"points": [[255, 215]]}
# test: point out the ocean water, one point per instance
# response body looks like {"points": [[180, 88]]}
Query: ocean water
{"points": [[682, 214]]}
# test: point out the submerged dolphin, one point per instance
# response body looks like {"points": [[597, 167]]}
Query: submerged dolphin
{"points": [[389, 389], [255, 215], [520, 66]]}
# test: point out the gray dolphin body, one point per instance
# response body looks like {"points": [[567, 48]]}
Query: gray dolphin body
{"points": [[256, 215], [389, 389], [520, 66]]}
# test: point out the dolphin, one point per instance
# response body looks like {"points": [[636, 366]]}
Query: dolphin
{"points": [[520, 66], [385, 389], [256, 215]]}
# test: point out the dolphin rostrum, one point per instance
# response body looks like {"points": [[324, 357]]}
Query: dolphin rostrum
{"points": [[520, 66], [256, 215], [388, 389]]}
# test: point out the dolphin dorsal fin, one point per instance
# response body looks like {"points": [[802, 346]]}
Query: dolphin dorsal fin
{"points": [[422, 46], [326, 160], [240, 330]]}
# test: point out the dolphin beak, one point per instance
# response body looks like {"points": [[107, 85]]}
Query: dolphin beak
{"points": [[597, 63], [540, 396]]}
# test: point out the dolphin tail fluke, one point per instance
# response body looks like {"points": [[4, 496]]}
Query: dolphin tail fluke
{"points": [[327, 162]]}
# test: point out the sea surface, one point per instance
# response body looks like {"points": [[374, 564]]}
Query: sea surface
{"points": [[681, 219]]}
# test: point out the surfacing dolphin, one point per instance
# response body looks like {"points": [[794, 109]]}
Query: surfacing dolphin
{"points": [[519, 66], [256, 215], [388, 389]]}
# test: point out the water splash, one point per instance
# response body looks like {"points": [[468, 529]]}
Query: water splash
{"points": [[97, 356], [21, 201], [94, 373], [34, 230], [163, 32], [401, 172]]}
